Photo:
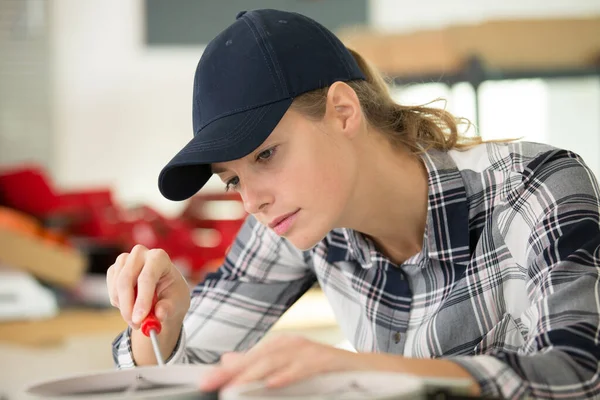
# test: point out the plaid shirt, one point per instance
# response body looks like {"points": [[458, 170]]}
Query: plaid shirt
{"points": [[507, 284]]}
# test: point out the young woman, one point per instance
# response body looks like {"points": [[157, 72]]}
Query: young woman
{"points": [[440, 255]]}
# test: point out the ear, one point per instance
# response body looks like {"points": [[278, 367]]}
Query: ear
{"points": [[343, 109]]}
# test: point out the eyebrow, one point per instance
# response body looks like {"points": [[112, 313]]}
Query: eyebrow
{"points": [[217, 170]]}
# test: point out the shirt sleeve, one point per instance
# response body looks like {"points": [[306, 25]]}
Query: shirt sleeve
{"points": [[262, 276], [557, 222]]}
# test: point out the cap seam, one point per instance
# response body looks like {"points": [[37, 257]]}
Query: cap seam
{"points": [[272, 54], [237, 133], [237, 111], [232, 136], [261, 44]]}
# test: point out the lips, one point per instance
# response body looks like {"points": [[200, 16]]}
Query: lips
{"points": [[280, 219], [283, 223]]}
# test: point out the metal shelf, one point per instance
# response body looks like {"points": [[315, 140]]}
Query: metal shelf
{"points": [[475, 73]]}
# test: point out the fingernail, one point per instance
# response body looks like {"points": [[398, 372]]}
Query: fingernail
{"points": [[137, 316]]}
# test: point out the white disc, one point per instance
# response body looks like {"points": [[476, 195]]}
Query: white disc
{"points": [[153, 382], [342, 386]]}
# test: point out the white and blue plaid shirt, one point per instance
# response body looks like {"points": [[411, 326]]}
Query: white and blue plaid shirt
{"points": [[507, 283]]}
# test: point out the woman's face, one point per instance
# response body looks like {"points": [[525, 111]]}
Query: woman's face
{"points": [[299, 180]]}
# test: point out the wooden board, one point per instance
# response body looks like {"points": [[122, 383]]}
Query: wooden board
{"points": [[310, 312], [52, 264], [511, 44]]}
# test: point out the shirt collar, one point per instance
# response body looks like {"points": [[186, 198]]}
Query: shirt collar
{"points": [[447, 229]]}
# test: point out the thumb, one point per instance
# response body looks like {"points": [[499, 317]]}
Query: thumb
{"points": [[163, 309]]}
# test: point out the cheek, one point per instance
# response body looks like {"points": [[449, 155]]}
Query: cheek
{"points": [[317, 179], [324, 184], [330, 182]]}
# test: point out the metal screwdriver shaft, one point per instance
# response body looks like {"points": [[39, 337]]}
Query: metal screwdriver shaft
{"points": [[156, 347], [151, 327]]}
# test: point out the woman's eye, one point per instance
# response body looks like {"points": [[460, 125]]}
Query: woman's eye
{"points": [[232, 183], [266, 154]]}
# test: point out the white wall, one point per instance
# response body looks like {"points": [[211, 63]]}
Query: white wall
{"points": [[573, 110], [25, 128], [399, 15], [122, 110]]}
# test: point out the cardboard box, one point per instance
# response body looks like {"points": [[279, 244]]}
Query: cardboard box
{"points": [[51, 263]]}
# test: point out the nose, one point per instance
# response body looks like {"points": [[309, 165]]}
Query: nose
{"points": [[256, 198]]}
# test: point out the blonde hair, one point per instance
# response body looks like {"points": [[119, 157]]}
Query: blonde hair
{"points": [[418, 128]]}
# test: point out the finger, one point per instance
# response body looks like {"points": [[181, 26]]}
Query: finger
{"points": [[269, 349], [309, 360], [155, 266], [216, 378], [288, 375], [313, 360], [230, 365], [163, 309], [111, 275], [126, 282], [263, 368]]}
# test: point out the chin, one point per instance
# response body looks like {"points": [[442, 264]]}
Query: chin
{"points": [[303, 241]]}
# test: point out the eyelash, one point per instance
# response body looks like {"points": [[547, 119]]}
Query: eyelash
{"points": [[232, 184]]}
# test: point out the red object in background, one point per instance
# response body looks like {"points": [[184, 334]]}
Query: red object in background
{"points": [[198, 215], [27, 188], [87, 213], [196, 241]]}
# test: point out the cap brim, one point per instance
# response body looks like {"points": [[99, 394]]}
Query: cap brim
{"points": [[225, 139]]}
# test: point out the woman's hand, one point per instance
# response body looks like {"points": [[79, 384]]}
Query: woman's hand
{"points": [[151, 271], [287, 359], [280, 361]]}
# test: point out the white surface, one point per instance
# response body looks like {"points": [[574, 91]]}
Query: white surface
{"points": [[358, 385], [404, 15], [21, 366], [345, 385], [125, 384], [23, 298]]}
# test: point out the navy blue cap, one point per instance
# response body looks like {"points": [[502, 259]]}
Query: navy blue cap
{"points": [[245, 81]]}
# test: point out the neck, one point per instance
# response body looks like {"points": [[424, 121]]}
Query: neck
{"points": [[389, 203]]}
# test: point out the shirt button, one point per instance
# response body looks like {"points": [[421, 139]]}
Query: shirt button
{"points": [[397, 337]]}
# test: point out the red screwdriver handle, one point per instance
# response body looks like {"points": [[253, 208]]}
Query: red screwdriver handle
{"points": [[150, 322]]}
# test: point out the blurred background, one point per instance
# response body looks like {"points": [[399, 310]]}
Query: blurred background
{"points": [[95, 98]]}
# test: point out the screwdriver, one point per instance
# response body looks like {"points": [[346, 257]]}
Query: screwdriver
{"points": [[151, 327]]}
